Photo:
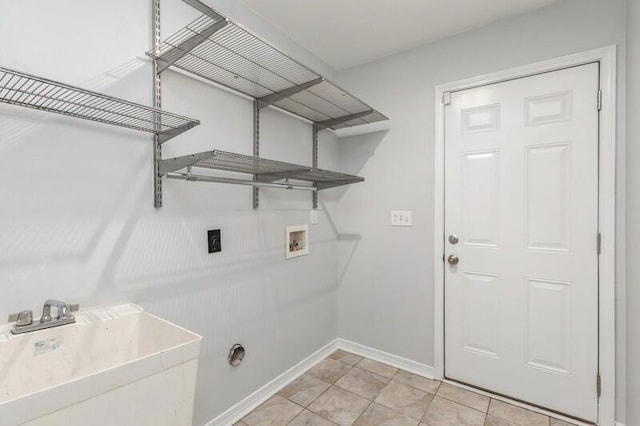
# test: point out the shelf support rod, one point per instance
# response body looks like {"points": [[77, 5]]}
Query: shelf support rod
{"points": [[256, 149], [157, 103], [178, 52], [200, 178], [314, 163], [339, 120], [271, 99], [274, 176]]}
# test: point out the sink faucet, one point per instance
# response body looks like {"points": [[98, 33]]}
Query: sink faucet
{"points": [[63, 310], [24, 320]]}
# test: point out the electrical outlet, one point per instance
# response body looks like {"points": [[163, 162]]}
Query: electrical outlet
{"points": [[314, 217], [401, 218], [214, 240]]}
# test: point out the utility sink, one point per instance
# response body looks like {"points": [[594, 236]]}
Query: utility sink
{"points": [[115, 365]]}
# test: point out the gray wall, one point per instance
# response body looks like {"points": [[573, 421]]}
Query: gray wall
{"points": [[78, 224], [385, 298], [633, 212], [77, 218]]}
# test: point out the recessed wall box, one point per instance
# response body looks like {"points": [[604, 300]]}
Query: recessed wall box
{"points": [[297, 241]]}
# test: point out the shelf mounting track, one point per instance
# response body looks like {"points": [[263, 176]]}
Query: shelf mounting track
{"points": [[314, 161]]}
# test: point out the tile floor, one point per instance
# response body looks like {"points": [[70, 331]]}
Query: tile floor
{"points": [[346, 389]]}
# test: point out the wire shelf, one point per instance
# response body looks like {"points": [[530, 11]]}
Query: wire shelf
{"points": [[263, 169], [220, 50], [18, 88]]}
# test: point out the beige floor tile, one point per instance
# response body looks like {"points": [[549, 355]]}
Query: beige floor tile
{"points": [[339, 406], [464, 397], [378, 415], [497, 421], [405, 399], [422, 383], [275, 411], [240, 424], [304, 390], [517, 415], [556, 422], [329, 370], [378, 368], [363, 383], [307, 418], [346, 357], [442, 412]]}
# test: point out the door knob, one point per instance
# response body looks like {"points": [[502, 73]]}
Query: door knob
{"points": [[453, 259]]}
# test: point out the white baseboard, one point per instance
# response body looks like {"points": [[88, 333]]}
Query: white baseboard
{"points": [[252, 401], [386, 358]]}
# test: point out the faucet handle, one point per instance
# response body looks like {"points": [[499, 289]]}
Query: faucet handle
{"points": [[15, 317], [25, 318]]}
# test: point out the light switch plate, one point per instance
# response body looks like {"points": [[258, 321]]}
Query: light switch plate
{"points": [[401, 218], [314, 217]]}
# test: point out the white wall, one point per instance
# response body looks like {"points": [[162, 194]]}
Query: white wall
{"points": [[385, 298], [633, 212], [77, 218]]}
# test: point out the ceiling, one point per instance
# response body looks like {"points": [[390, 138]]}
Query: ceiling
{"points": [[347, 33]]}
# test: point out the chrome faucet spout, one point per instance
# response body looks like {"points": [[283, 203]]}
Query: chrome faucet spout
{"points": [[63, 310]]}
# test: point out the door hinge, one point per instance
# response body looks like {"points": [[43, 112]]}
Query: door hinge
{"points": [[599, 242], [599, 100], [598, 385], [446, 98], [442, 257]]}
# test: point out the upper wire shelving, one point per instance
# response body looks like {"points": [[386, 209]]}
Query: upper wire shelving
{"points": [[30, 91], [219, 50]]}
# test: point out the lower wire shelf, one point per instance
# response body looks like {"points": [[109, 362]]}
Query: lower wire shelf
{"points": [[265, 172]]}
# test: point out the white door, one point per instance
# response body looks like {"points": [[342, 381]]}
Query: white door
{"points": [[521, 195]]}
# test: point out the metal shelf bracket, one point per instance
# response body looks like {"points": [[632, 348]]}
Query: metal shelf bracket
{"points": [[339, 120], [178, 52], [265, 101]]}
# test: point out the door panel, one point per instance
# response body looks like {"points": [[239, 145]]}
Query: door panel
{"points": [[521, 193], [479, 291], [480, 195], [548, 325], [548, 197]]}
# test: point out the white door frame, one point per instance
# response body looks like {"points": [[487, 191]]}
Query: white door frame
{"points": [[606, 209]]}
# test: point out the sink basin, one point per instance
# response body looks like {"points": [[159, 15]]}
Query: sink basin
{"points": [[115, 365]]}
